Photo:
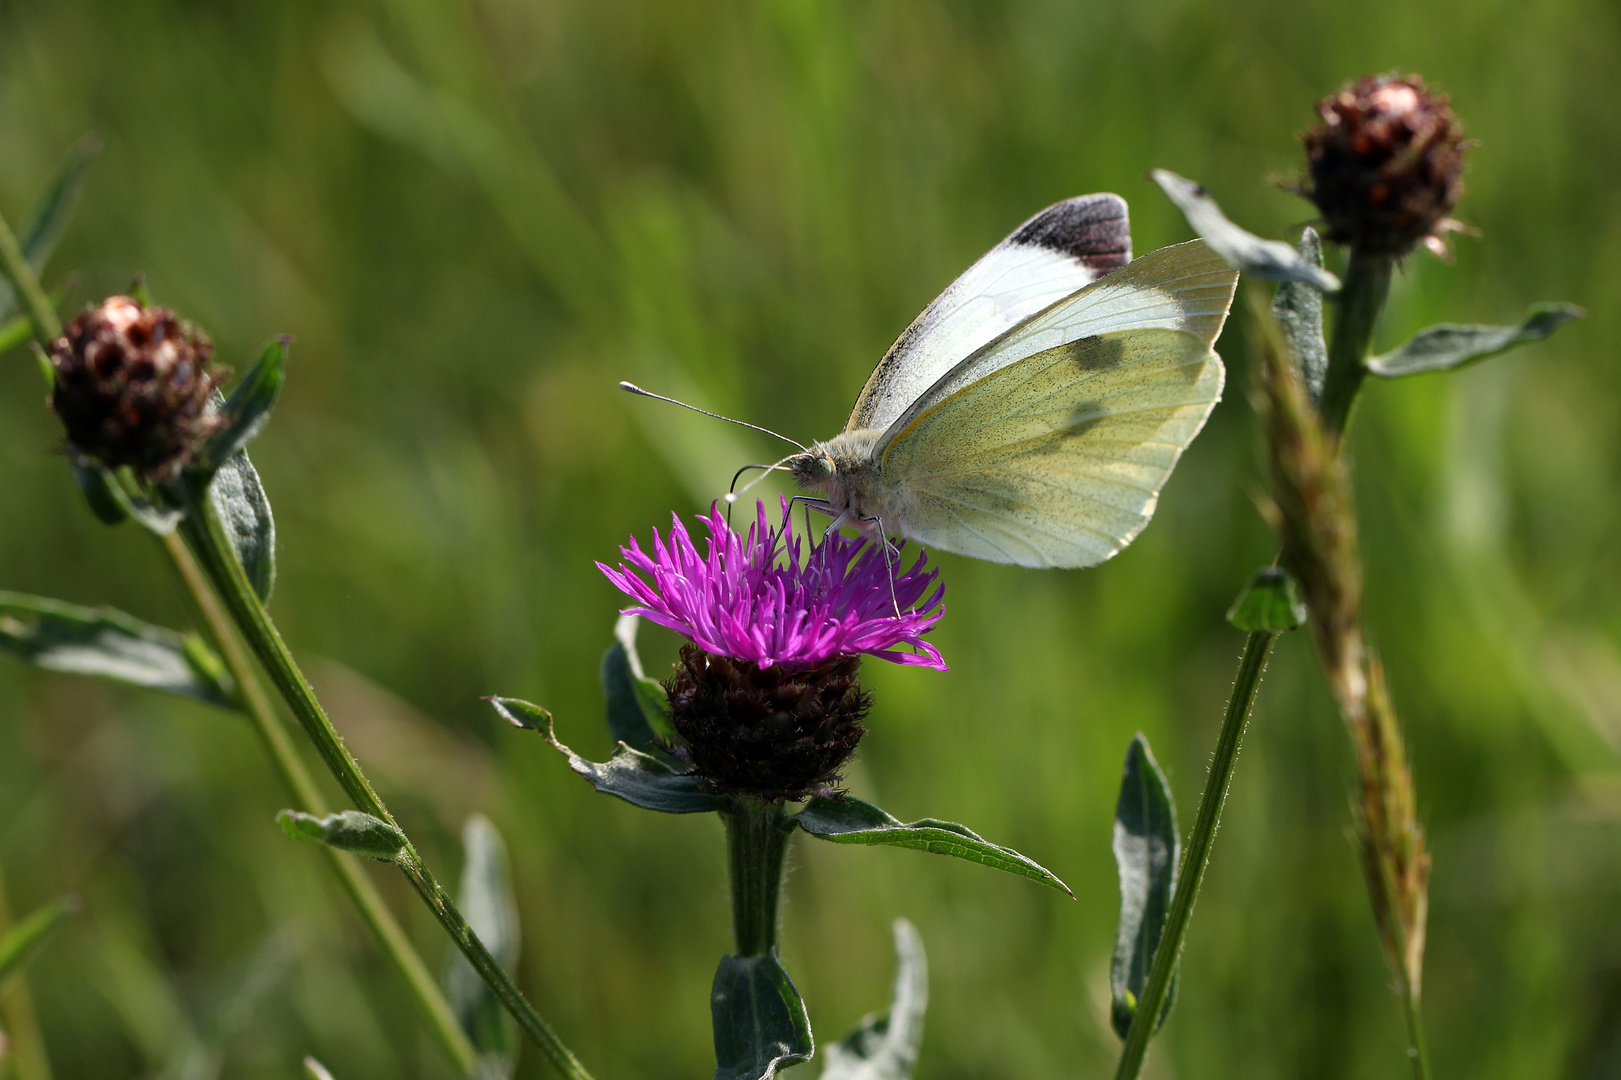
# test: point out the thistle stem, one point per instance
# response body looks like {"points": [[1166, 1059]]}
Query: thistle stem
{"points": [[301, 785], [756, 848], [256, 704], [1358, 303], [1196, 856], [205, 537]]}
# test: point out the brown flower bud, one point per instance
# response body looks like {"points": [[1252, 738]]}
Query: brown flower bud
{"points": [[1386, 164], [133, 385], [772, 733]]}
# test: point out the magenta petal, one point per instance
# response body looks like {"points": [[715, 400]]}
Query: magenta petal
{"points": [[752, 596]]}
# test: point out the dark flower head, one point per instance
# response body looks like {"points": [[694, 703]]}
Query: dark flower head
{"points": [[1385, 167], [766, 698], [132, 386]]}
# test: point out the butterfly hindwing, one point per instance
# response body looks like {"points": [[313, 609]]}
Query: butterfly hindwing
{"points": [[1056, 460], [1060, 250]]}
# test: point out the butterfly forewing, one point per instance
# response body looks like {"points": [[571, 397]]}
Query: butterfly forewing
{"points": [[1049, 257], [1184, 287], [1056, 460]]}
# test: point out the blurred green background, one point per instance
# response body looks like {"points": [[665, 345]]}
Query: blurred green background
{"points": [[476, 215]]}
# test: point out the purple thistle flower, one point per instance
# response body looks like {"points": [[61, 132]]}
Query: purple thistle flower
{"points": [[757, 597]]}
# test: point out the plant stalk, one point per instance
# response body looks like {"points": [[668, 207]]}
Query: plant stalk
{"points": [[1196, 856], [256, 704], [205, 536], [756, 848], [301, 785], [1360, 300]]}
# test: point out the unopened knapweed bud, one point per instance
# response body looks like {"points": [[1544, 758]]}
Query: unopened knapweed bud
{"points": [[1385, 167], [132, 386], [766, 698]]}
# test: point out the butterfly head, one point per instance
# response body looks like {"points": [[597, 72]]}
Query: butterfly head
{"points": [[812, 469]]}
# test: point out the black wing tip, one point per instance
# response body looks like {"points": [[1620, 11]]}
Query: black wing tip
{"points": [[1095, 230]]}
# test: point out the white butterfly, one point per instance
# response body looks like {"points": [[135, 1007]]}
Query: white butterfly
{"points": [[1033, 411]]}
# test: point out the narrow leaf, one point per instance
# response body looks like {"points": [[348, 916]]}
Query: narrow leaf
{"points": [[101, 491], [487, 900], [109, 644], [247, 410], [885, 1047], [1269, 602], [39, 232], [638, 710], [1449, 345], [1147, 848], [851, 821], [314, 1070], [1299, 311], [760, 1022], [347, 830], [19, 944], [639, 778], [15, 332], [19, 330], [1269, 260], [244, 510], [152, 509]]}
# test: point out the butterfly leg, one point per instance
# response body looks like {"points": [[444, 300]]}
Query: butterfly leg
{"points": [[810, 502], [888, 549]]}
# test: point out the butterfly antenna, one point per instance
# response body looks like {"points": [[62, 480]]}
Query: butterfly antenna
{"points": [[732, 494], [632, 388]]}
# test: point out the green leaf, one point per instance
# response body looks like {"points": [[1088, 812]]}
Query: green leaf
{"points": [[247, 410], [851, 821], [347, 830], [1269, 260], [314, 1070], [487, 900], [1449, 345], [638, 710], [1299, 310], [15, 332], [639, 778], [40, 231], [19, 944], [244, 510], [1147, 848], [760, 1023], [885, 1047], [104, 487], [1269, 602], [109, 644], [107, 501]]}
